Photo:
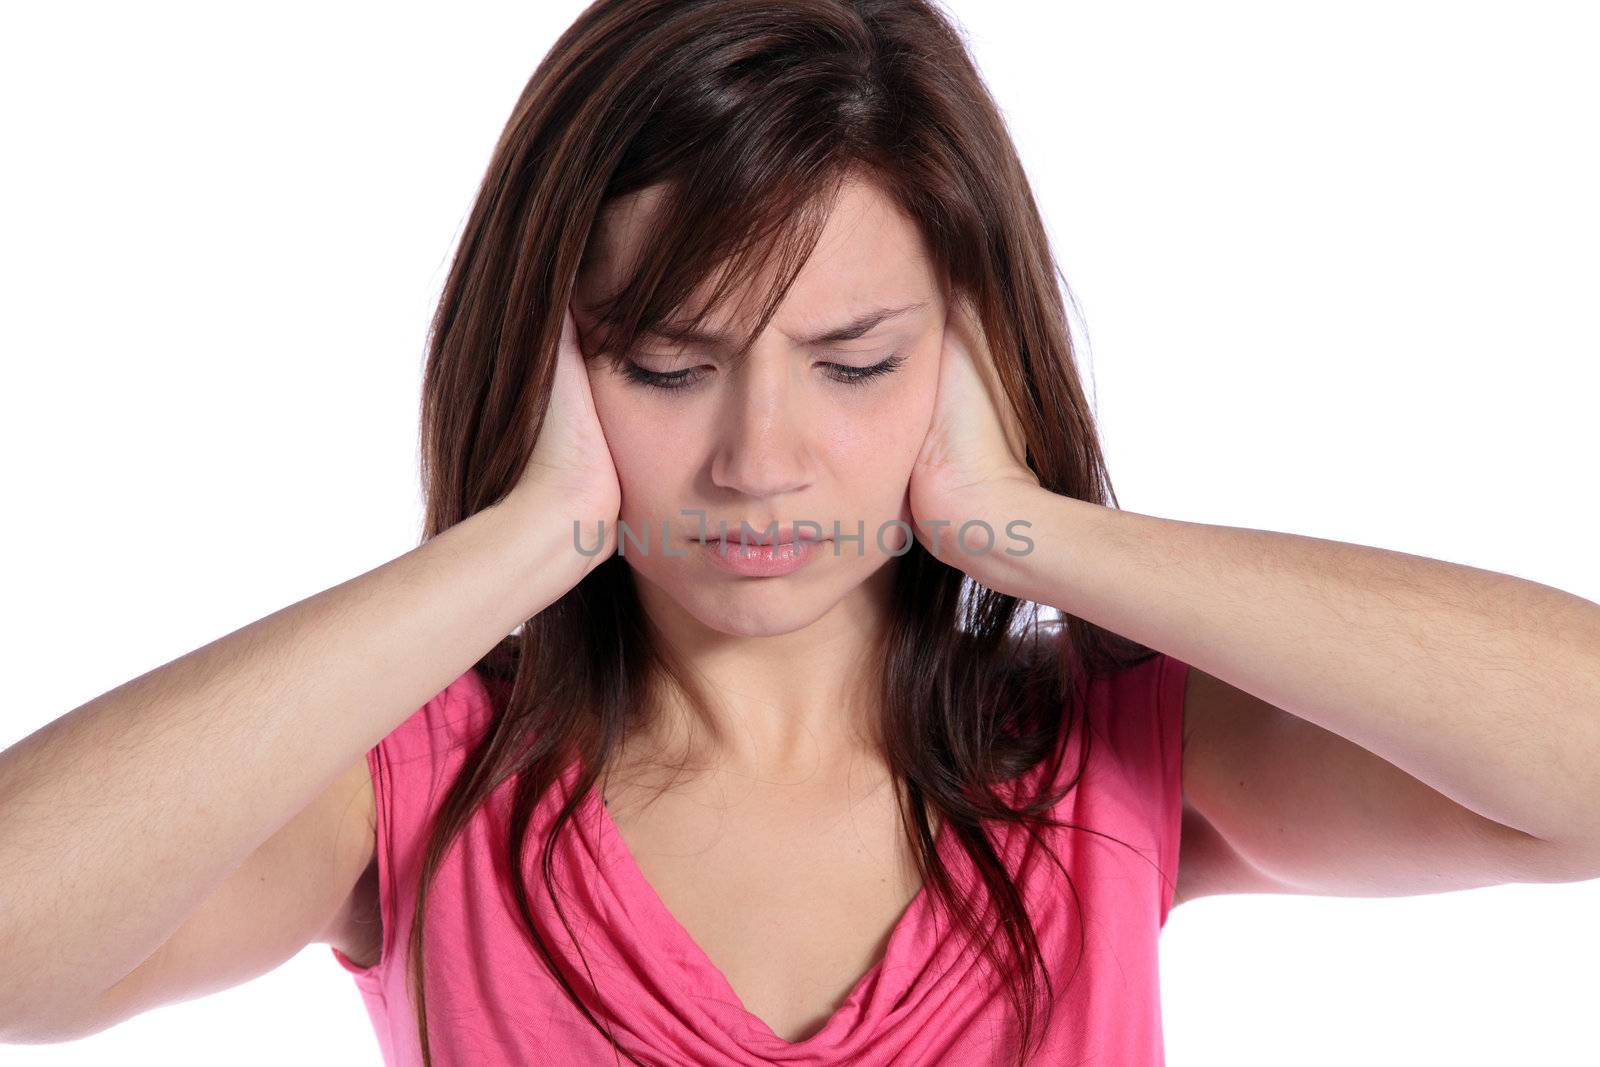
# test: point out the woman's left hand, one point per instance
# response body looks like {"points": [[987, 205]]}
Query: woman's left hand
{"points": [[974, 446]]}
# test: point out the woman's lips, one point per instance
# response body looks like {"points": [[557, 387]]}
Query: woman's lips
{"points": [[752, 560]]}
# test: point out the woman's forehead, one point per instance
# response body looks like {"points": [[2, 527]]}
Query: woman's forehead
{"points": [[868, 255]]}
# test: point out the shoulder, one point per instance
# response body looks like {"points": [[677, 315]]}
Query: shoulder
{"points": [[1127, 713], [1137, 714], [1134, 704], [1140, 706], [452, 719]]}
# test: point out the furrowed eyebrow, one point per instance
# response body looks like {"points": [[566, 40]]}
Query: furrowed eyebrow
{"points": [[851, 330]]}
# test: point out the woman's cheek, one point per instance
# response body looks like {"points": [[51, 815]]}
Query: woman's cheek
{"points": [[656, 472]]}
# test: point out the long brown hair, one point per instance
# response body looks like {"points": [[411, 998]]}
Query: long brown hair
{"points": [[751, 113]]}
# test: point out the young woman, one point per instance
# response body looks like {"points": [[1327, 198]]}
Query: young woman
{"points": [[714, 721]]}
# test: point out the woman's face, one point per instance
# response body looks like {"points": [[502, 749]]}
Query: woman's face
{"points": [[796, 433]]}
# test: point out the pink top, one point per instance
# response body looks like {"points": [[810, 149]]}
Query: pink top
{"points": [[492, 1003]]}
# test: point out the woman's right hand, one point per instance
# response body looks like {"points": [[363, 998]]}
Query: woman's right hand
{"points": [[570, 471], [232, 863]]}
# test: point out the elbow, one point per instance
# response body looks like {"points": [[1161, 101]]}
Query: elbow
{"points": [[1574, 859], [34, 1027], [15, 1030], [44, 1033]]}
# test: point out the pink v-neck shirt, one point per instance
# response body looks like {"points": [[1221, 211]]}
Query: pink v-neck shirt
{"points": [[929, 1000]]}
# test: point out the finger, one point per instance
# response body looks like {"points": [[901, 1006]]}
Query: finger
{"points": [[975, 337]]}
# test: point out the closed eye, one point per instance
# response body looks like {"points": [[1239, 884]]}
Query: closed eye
{"points": [[678, 379], [851, 375], [842, 373]]}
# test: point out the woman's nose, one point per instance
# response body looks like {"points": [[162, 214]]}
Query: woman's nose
{"points": [[763, 433]]}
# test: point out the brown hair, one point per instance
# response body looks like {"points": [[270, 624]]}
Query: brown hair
{"points": [[781, 101]]}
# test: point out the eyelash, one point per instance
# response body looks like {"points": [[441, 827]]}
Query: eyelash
{"points": [[684, 379]]}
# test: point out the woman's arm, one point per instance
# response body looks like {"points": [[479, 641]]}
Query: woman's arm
{"points": [[118, 819], [1482, 685]]}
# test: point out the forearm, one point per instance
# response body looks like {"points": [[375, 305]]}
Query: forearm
{"points": [[1482, 685], [119, 818]]}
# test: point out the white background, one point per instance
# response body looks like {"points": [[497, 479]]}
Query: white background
{"points": [[1337, 272]]}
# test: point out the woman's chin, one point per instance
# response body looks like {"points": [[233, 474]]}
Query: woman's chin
{"points": [[753, 613]]}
